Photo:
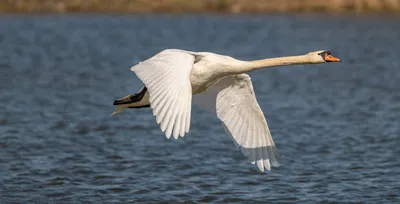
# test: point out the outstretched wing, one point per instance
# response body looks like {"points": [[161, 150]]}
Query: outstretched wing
{"points": [[234, 102], [167, 78]]}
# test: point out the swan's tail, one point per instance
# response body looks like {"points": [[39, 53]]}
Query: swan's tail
{"points": [[137, 100]]}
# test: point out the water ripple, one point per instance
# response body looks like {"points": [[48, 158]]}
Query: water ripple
{"points": [[336, 126]]}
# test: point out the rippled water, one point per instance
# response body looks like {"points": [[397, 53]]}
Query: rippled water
{"points": [[336, 125]]}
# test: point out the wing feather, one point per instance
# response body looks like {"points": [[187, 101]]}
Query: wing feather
{"points": [[242, 118], [177, 123], [167, 78]]}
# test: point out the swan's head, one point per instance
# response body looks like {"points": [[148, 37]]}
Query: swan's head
{"points": [[322, 56]]}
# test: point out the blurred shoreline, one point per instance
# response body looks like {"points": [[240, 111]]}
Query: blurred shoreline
{"points": [[199, 6]]}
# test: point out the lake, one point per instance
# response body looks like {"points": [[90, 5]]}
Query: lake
{"points": [[336, 126]]}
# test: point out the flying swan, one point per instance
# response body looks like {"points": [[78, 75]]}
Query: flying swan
{"points": [[219, 85]]}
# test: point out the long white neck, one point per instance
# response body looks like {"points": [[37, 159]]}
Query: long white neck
{"points": [[247, 66]]}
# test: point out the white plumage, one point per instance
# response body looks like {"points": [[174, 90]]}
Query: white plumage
{"points": [[218, 84], [167, 78], [236, 106]]}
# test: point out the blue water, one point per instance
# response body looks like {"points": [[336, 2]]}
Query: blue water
{"points": [[336, 126]]}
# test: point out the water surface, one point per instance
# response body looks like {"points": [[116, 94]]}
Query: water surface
{"points": [[335, 125]]}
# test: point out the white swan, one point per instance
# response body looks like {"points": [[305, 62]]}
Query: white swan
{"points": [[219, 85]]}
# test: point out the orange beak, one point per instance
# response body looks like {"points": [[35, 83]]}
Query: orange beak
{"points": [[330, 58]]}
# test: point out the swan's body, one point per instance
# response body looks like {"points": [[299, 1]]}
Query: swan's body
{"points": [[219, 85]]}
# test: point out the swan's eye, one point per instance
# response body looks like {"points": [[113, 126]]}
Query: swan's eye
{"points": [[323, 54]]}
